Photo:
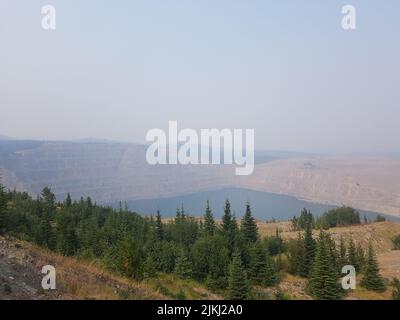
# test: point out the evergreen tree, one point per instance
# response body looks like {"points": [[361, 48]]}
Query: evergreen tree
{"points": [[229, 227], [309, 247], [209, 223], [352, 255], [323, 283], [178, 214], [333, 254], [271, 276], [68, 201], [183, 267], [46, 236], [372, 279], [360, 255], [296, 255], [49, 200], [238, 286], [159, 228], [227, 218], [149, 267], [263, 269], [342, 254], [249, 227], [258, 263], [183, 215]]}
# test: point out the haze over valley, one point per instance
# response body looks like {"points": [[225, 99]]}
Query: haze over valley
{"points": [[110, 172]]}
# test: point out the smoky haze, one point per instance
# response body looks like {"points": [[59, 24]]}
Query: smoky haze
{"points": [[286, 69]]}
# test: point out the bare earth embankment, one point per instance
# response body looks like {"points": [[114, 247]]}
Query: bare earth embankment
{"points": [[20, 277]]}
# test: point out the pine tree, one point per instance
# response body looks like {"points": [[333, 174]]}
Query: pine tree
{"points": [[178, 216], [352, 255], [182, 212], [159, 228], [360, 256], [258, 263], [333, 254], [209, 223], [238, 286], [249, 227], [46, 236], [183, 267], [68, 201], [229, 227], [309, 247], [49, 200], [296, 255], [149, 267], [372, 279], [227, 218], [271, 276], [323, 283], [342, 254]]}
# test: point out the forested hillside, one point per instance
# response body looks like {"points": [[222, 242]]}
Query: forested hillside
{"points": [[229, 257]]}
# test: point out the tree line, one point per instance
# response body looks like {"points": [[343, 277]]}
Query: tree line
{"points": [[228, 256]]}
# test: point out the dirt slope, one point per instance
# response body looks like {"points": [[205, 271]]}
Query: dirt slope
{"points": [[20, 277]]}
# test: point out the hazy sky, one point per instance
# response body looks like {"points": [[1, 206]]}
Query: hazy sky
{"points": [[115, 69]]}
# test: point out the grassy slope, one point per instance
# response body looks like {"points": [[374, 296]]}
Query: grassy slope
{"points": [[21, 262], [20, 278], [380, 234]]}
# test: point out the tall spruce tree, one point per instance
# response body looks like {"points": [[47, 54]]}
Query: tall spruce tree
{"points": [[309, 247], [258, 263], [183, 267], [238, 286], [249, 227], [323, 283], [271, 275], [227, 217], [372, 280], [352, 255], [342, 254], [296, 255], [229, 227], [68, 201], [159, 228], [360, 255], [209, 223]]}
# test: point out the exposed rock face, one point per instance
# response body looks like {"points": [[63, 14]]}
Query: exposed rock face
{"points": [[366, 182]]}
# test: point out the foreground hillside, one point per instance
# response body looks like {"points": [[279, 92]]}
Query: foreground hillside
{"points": [[186, 258], [20, 278], [21, 263]]}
